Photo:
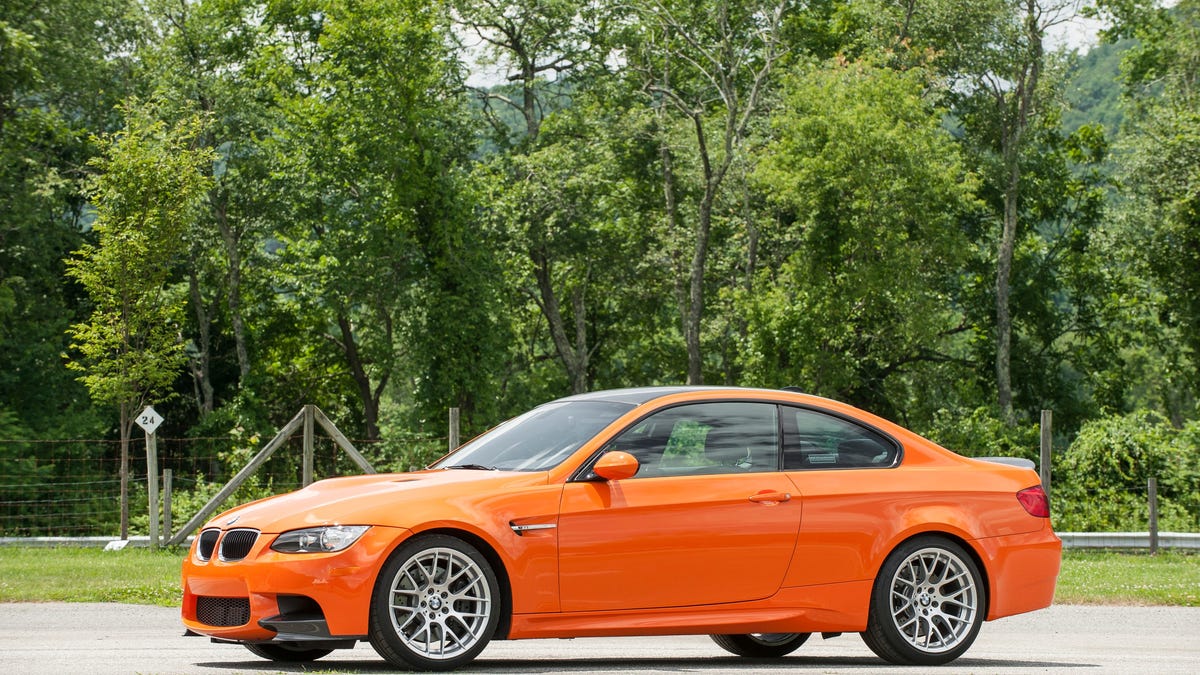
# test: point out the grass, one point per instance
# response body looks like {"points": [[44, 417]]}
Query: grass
{"points": [[144, 577], [1110, 578], [137, 576]]}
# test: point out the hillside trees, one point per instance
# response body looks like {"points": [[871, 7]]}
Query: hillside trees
{"points": [[824, 194], [1161, 170]]}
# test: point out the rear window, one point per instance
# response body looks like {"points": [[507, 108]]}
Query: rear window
{"points": [[816, 440]]}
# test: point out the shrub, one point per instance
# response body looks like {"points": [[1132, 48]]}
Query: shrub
{"points": [[1100, 482]]}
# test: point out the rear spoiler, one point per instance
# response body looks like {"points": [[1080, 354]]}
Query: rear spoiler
{"points": [[1010, 461]]}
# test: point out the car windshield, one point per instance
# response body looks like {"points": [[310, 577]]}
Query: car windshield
{"points": [[538, 440]]}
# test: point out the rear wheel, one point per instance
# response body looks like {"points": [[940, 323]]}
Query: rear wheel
{"points": [[436, 604], [761, 645], [285, 654], [927, 604]]}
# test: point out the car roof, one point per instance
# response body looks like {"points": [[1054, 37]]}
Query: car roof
{"points": [[640, 395]]}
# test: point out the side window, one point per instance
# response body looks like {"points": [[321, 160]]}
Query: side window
{"points": [[704, 438], [814, 440]]}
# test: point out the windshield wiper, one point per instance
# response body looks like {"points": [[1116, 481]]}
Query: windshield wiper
{"points": [[472, 467]]}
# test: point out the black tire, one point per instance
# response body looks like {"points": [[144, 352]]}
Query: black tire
{"points": [[761, 645], [436, 604], [927, 604], [285, 654]]}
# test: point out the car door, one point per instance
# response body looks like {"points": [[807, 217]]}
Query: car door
{"points": [[708, 518], [853, 499]]}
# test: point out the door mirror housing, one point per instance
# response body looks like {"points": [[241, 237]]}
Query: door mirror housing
{"points": [[616, 465]]}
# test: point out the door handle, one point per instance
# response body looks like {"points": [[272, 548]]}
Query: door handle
{"points": [[770, 497]]}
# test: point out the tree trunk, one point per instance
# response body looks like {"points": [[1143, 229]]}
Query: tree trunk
{"points": [[232, 237], [362, 381], [695, 306], [1013, 137], [574, 357], [201, 362], [125, 414], [1003, 289]]}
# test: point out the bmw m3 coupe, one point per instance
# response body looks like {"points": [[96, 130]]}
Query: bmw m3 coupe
{"points": [[758, 517]]}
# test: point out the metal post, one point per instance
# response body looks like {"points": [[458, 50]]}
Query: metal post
{"points": [[167, 476], [453, 429], [152, 486], [1047, 426], [307, 471], [1153, 515]]}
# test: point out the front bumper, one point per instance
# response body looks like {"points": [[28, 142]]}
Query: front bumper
{"points": [[286, 596]]}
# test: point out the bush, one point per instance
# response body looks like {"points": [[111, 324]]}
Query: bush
{"points": [[1100, 482], [983, 434]]}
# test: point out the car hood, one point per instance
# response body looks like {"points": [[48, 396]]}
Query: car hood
{"points": [[398, 500]]}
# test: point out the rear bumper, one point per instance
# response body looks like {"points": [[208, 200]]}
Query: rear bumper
{"points": [[1023, 570], [268, 591]]}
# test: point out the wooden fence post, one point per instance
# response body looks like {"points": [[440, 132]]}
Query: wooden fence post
{"points": [[1153, 487], [152, 485], [1044, 468], [303, 420], [306, 478], [453, 429], [166, 505]]}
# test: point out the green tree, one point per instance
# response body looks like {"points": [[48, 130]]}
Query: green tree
{"points": [[870, 187], [571, 231], [1007, 97], [1160, 157], [541, 208], [705, 69], [64, 65], [129, 350], [369, 157], [213, 56]]}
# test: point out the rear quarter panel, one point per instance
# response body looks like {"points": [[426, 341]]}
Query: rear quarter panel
{"points": [[853, 518]]}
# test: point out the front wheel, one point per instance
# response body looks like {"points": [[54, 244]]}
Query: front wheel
{"points": [[761, 645], [927, 604], [285, 654], [435, 606]]}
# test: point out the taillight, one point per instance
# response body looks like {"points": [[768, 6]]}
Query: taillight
{"points": [[1035, 501]]}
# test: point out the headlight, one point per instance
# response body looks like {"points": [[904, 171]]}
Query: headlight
{"points": [[319, 539]]}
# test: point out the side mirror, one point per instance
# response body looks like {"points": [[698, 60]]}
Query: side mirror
{"points": [[616, 465]]}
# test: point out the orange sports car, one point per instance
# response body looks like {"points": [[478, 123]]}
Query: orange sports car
{"points": [[755, 516]]}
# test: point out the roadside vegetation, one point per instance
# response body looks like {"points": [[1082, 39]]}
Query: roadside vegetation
{"points": [[139, 576], [929, 209], [1110, 578], [136, 576]]}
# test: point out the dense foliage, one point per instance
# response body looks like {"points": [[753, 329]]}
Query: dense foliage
{"points": [[231, 208]]}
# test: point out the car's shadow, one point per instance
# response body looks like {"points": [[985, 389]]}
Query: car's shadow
{"points": [[606, 665]]}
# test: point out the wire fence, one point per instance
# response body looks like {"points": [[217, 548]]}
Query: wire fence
{"points": [[73, 487]]}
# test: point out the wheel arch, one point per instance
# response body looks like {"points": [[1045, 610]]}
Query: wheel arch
{"points": [[962, 542], [489, 552]]}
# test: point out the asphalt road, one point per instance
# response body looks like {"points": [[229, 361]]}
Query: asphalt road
{"points": [[102, 639]]}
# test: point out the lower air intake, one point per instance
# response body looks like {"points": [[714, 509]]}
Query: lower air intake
{"points": [[223, 611]]}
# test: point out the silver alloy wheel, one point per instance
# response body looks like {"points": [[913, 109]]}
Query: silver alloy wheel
{"points": [[440, 603], [934, 600]]}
